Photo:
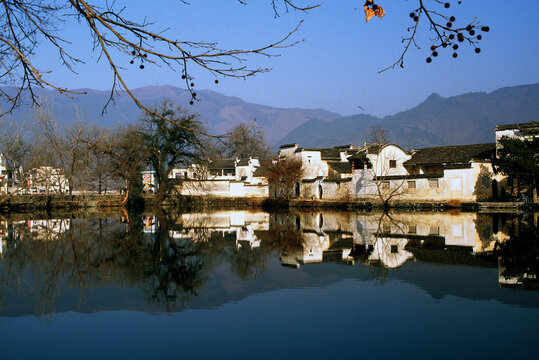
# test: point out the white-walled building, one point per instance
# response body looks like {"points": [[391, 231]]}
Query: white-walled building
{"points": [[386, 172], [223, 178], [46, 180]]}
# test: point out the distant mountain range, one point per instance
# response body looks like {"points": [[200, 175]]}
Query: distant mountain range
{"points": [[220, 113], [438, 121], [464, 119]]}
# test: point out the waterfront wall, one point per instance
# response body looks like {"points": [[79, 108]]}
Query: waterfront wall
{"points": [[222, 188]]}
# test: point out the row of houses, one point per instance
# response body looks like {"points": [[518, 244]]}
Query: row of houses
{"points": [[40, 180], [349, 173], [371, 172]]}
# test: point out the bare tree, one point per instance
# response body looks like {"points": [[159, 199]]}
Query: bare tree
{"points": [[67, 150], [378, 135], [14, 152], [166, 145], [245, 141], [383, 175], [283, 176], [124, 152], [101, 174], [29, 23], [115, 36], [446, 35]]}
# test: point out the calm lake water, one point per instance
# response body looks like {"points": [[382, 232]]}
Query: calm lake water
{"points": [[258, 285]]}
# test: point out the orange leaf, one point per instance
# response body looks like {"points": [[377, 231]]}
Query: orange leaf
{"points": [[369, 13], [380, 12]]}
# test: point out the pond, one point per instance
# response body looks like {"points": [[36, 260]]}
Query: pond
{"points": [[247, 284]]}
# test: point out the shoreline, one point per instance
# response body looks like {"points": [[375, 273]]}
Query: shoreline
{"points": [[30, 203]]}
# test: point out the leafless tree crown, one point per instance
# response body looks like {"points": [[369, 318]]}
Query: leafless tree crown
{"points": [[28, 24]]}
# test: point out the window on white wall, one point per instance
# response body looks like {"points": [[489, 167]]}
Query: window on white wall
{"points": [[456, 229], [433, 183], [456, 183]]}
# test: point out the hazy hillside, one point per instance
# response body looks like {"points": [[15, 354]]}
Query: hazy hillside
{"points": [[457, 120], [218, 111], [464, 119]]}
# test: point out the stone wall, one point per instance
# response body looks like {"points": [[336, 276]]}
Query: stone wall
{"points": [[222, 188]]}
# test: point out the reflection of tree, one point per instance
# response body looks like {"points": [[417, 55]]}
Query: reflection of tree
{"points": [[519, 256], [247, 262], [484, 229], [171, 268], [284, 233], [387, 247], [482, 187], [100, 252], [47, 253]]}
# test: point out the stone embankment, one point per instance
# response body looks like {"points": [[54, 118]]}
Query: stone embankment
{"points": [[26, 203]]}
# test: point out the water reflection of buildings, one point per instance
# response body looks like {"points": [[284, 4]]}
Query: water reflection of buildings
{"points": [[36, 230], [41, 229], [371, 239], [242, 227], [392, 240], [49, 229], [303, 237], [3, 236]]}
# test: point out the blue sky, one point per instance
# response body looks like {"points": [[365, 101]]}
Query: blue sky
{"points": [[336, 66]]}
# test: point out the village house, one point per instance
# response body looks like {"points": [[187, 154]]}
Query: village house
{"points": [[378, 171], [524, 131], [3, 175], [46, 180], [327, 173], [386, 172], [7, 175], [461, 173], [223, 178]]}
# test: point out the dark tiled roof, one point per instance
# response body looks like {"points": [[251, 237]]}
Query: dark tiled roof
{"points": [[287, 146], [261, 172], [307, 149], [325, 154], [410, 177], [330, 154], [339, 180], [458, 154], [524, 127], [243, 162], [373, 148], [360, 154], [344, 147], [222, 164], [340, 167], [312, 180]]}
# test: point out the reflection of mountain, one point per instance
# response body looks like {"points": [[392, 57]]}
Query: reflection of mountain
{"points": [[202, 260]]}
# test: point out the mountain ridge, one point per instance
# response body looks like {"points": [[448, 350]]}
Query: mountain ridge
{"points": [[219, 112], [437, 121]]}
